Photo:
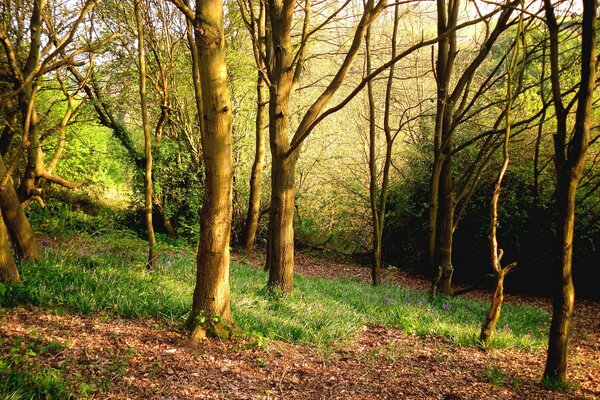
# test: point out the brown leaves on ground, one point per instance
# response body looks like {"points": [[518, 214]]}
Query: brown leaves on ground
{"points": [[130, 359]]}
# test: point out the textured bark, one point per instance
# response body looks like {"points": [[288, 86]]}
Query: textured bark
{"points": [[281, 225], [8, 268], [211, 313], [569, 160], [280, 57], [17, 223], [376, 249], [445, 195], [489, 325], [253, 214], [148, 187], [445, 231], [281, 62]]}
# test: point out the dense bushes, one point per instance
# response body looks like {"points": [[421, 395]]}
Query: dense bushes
{"points": [[527, 233]]}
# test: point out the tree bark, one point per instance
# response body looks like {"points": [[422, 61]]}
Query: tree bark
{"points": [[570, 163], [148, 187], [211, 315], [284, 153], [281, 224], [376, 249], [445, 233], [22, 235], [8, 268], [257, 167]]}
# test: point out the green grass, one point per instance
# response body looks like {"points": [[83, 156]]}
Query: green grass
{"points": [[106, 273], [21, 377]]}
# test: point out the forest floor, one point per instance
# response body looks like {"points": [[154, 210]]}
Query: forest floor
{"points": [[116, 358]]}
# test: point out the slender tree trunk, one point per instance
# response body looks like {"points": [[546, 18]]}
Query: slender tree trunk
{"points": [[489, 325], [28, 185], [22, 235], [148, 188], [441, 204], [257, 167], [445, 232], [211, 313], [8, 268], [376, 243], [570, 163], [434, 199]]}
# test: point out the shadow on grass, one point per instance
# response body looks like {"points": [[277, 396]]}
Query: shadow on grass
{"points": [[108, 274]]}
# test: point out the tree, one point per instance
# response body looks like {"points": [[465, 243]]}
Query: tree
{"points": [[282, 67], [452, 95], [8, 268], [211, 313], [27, 75], [489, 325], [569, 160], [147, 137], [257, 28], [378, 197]]}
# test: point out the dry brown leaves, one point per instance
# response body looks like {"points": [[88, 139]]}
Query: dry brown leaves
{"points": [[141, 359]]}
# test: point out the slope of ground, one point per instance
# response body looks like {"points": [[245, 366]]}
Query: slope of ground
{"points": [[50, 352]]}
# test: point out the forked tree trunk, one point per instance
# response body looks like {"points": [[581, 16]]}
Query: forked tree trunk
{"points": [[489, 325], [22, 235], [570, 163], [8, 268], [148, 188], [257, 167], [211, 313]]}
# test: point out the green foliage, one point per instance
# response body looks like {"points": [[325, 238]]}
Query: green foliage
{"points": [[495, 376], [558, 386], [22, 377], [527, 231]]}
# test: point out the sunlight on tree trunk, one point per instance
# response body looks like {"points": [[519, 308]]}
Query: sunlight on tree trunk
{"points": [[148, 192], [8, 268], [211, 314], [569, 160], [22, 235], [488, 327], [253, 214]]}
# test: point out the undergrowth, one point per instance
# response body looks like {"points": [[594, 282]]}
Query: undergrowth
{"points": [[106, 273]]}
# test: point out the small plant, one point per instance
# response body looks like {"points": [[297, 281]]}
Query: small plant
{"points": [[558, 386], [262, 363], [495, 376]]}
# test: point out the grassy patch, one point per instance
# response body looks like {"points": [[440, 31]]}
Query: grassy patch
{"points": [[107, 274], [21, 377]]}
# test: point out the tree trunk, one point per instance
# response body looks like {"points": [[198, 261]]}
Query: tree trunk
{"points": [[148, 188], [376, 243], [8, 268], [445, 231], [259, 160], [564, 300], [570, 164], [17, 223], [211, 313], [489, 325], [281, 224]]}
